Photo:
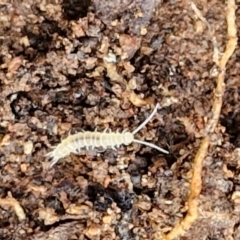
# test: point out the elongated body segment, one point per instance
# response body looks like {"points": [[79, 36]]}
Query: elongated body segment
{"points": [[74, 143], [90, 140]]}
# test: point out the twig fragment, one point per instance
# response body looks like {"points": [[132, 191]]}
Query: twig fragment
{"points": [[231, 45], [9, 201], [196, 181], [195, 189]]}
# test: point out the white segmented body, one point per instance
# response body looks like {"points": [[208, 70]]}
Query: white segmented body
{"points": [[74, 143], [87, 140]]}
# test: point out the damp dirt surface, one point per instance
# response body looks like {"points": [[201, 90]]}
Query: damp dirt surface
{"points": [[68, 66]]}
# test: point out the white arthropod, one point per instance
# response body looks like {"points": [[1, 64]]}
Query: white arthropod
{"points": [[74, 143]]}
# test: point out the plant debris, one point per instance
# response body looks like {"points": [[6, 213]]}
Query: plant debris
{"points": [[71, 66]]}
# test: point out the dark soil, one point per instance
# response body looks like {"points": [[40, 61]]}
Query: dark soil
{"points": [[70, 65]]}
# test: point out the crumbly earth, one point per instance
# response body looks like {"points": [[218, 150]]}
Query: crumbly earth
{"points": [[70, 65]]}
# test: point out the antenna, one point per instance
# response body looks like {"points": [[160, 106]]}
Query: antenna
{"points": [[151, 145], [146, 120], [142, 125]]}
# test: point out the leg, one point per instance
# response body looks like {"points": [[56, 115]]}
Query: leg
{"points": [[114, 148]]}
